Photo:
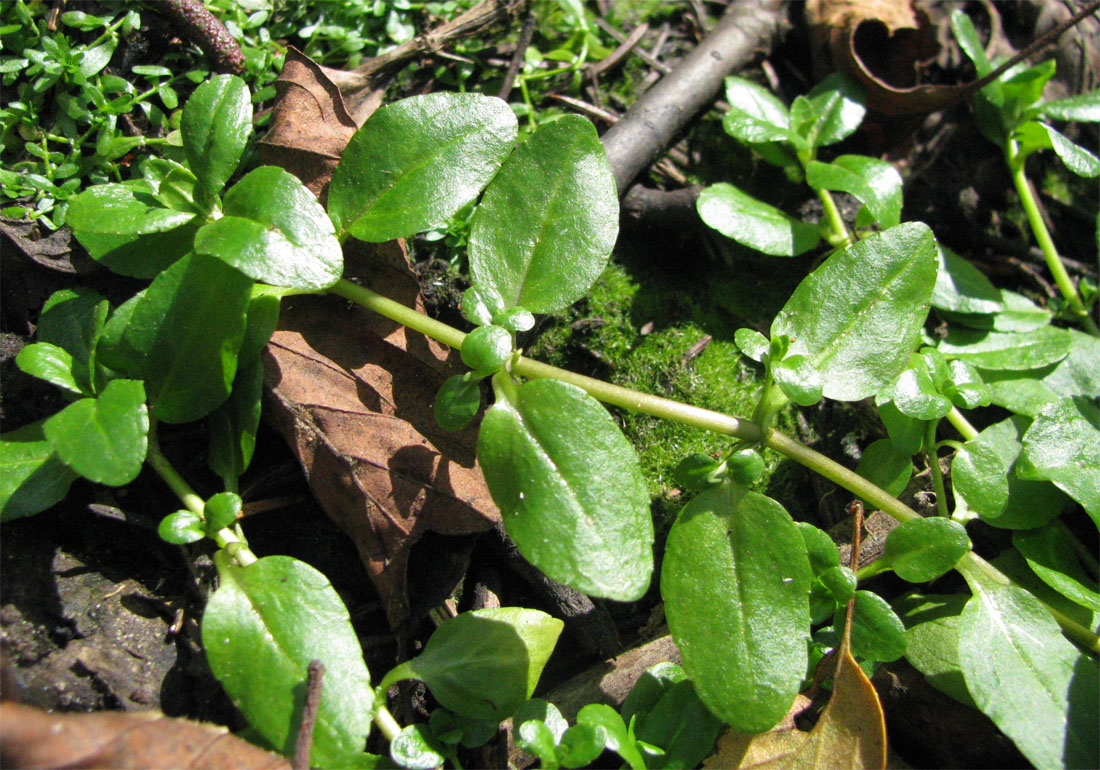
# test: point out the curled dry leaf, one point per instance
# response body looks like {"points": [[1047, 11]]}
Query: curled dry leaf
{"points": [[881, 43], [108, 739], [353, 396], [744, 750], [310, 124]]}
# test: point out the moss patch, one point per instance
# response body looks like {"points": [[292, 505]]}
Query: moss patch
{"points": [[668, 330]]}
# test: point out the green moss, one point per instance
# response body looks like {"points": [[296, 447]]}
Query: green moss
{"points": [[638, 327]]}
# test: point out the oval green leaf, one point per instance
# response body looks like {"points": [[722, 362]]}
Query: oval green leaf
{"points": [[180, 528], [755, 114], [1007, 351], [276, 232], [485, 664], [1063, 446], [121, 209], [32, 476], [883, 465], [932, 639], [417, 161], [52, 364], [963, 288], [877, 632], [875, 182], [185, 332], [984, 475], [569, 489], [548, 221], [104, 438], [486, 348], [735, 582], [923, 549], [859, 315], [261, 629], [1028, 678], [1052, 554], [216, 125], [457, 402], [753, 223]]}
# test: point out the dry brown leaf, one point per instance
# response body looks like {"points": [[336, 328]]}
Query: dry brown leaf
{"points": [[30, 737], [353, 396], [881, 43], [310, 125], [744, 750]]}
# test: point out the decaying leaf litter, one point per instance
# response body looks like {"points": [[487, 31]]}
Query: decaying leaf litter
{"points": [[429, 469]]}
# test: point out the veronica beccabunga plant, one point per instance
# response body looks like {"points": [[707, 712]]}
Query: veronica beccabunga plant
{"points": [[751, 596]]}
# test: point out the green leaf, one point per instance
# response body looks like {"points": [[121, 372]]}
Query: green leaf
{"points": [[984, 475], [1077, 159], [916, 395], [457, 402], [1013, 351], [835, 110], [261, 629], [487, 348], [752, 343], [753, 223], [735, 582], [141, 255], [480, 304], [745, 466], [104, 438], [1063, 446], [616, 737], [216, 125], [417, 161], [1083, 107], [820, 548], [181, 527], [877, 632], [932, 639], [969, 41], [859, 315], [840, 582], [963, 288], [1029, 391], [680, 724], [580, 745], [234, 424], [484, 664], [906, 433], [875, 182], [1050, 552], [415, 749], [546, 225], [536, 739], [755, 114], [32, 476], [186, 331], [799, 380], [1025, 676], [649, 688], [545, 712], [73, 319], [886, 467], [923, 549], [569, 489], [52, 364], [221, 511], [126, 209], [275, 231]]}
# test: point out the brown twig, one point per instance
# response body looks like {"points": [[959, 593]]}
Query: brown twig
{"points": [[663, 111], [468, 23], [518, 57], [619, 53], [303, 744], [195, 23]]}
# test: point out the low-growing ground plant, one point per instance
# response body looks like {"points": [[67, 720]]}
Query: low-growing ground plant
{"points": [[753, 599]]}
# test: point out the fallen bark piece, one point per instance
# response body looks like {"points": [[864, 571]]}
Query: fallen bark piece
{"points": [[33, 738]]}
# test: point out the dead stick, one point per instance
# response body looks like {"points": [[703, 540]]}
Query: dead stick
{"points": [[303, 744], [202, 28]]}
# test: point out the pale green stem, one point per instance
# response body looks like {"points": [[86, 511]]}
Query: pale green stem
{"points": [[933, 458], [225, 538], [1072, 628], [841, 237], [685, 414], [1043, 239], [962, 425], [386, 723]]}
